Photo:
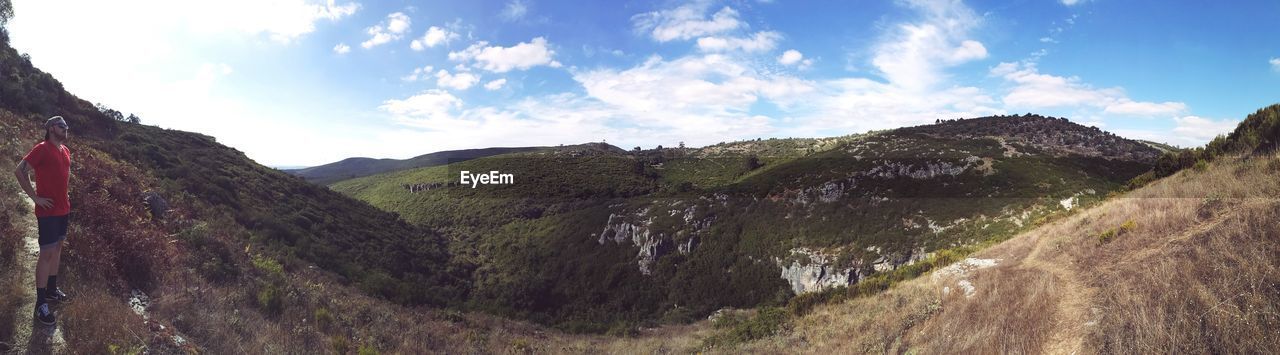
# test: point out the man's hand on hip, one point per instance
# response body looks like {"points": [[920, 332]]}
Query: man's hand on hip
{"points": [[43, 202]]}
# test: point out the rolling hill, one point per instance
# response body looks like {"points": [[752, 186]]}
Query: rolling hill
{"points": [[357, 167], [1019, 224], [599, 239]]}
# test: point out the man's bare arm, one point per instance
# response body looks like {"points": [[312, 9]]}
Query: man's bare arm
{"points": [[22, 172]]}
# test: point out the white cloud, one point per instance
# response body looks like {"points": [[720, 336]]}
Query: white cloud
{"points": [[790, 57], [794, 57], [431, 106], [433, 37], [282, 20], [1275, 64], [419, 73], [1124, 106], [686, 22], [162, 77], [914, 55], [459, 81], [1071, 2], [1188, 131], [495, 85], [1034, 90], [705, 85], [393, 28], [515, 10], [498, 59], [342, 48], [858, 104], [698, 99], [1199, 130], [760, 42]]}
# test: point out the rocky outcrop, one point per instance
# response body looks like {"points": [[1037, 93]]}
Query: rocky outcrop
{"points": [[808, 270], [156, 205], [927, 170], [812, 271], [638, 229]]}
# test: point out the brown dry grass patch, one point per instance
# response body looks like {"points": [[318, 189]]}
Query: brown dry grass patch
{"points": [[1191, 265], [95, 321]]}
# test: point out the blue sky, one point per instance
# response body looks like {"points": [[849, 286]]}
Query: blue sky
{"points": [[302, 82]]}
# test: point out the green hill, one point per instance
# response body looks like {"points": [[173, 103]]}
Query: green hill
{"points": [[244, 202], [590, 240], [357, 167]]}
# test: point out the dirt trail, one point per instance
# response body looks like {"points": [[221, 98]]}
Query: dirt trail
{"points": [[30, 336], [1076, 311]]}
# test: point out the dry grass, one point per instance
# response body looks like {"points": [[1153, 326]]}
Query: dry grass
{"points": [[1192, 266], [12, 292], [1198, 271], [96, 321]]}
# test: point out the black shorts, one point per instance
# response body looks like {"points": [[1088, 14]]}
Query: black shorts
{"points": [[53, 229]]}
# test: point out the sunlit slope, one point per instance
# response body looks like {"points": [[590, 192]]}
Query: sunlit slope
{"points": [[1187, 264], [596, 238]]}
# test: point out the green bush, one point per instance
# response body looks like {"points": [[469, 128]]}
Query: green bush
{"points": [[623, 329], [340, 344], [368, 350], [323, 318], [270, 300], [269, 266], [767, 321], [1111, 234]]}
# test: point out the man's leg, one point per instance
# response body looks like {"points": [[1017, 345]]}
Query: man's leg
{"points": [[43, 266], [42, 274], [56, 259]]}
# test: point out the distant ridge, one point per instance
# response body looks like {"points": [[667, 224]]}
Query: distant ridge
{"points": [[359, 167]]}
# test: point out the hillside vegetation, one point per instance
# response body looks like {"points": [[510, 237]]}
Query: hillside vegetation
{"points": [[883, 236], [597, 239], [230, 264], [1189, 264], [351, 168]]}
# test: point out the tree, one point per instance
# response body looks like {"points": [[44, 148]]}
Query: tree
{"points": [[752, 163], [107, 111], [134, 119], [6, 11]]}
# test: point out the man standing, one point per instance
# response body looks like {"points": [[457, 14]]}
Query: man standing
{"points": [[51, 162]]}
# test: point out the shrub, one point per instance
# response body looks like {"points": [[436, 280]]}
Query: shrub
{"points": [[622, 329], [323, 318], [368, 350], [340, 344], [1140, 180], [270, 300], [269, 266], [1111, 234], [767, 321], [521, 345]]}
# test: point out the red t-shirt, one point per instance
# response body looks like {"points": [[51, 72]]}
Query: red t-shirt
{"points": [[52, 166]]}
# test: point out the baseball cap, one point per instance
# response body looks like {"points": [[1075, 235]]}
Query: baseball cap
{"points": [[55, 121]]}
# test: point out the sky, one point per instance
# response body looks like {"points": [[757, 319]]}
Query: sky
{"points": [[309, 82]]}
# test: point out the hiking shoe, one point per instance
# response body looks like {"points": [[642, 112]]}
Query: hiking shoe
{"points": [[56, 296], [44, 315]]}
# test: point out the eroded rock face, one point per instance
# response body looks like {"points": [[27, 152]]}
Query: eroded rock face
{"points": [[812, 270], [923, 171], [637, 228], [817, 274]]}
